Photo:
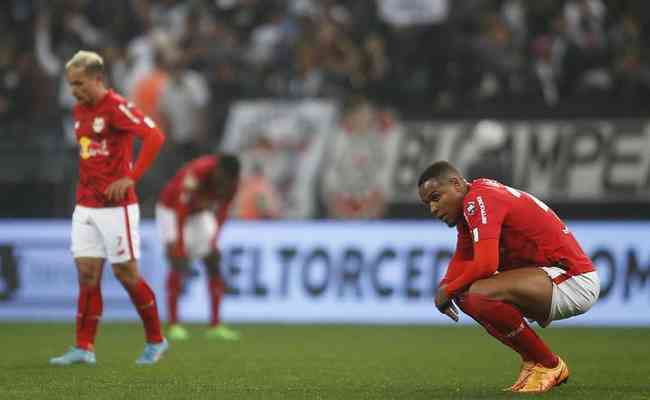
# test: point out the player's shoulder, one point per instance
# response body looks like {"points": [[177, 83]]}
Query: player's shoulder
{"points": [[206, 161], [115, 101], [482, 191], [115, 98], [483, 187], [77, 110]]}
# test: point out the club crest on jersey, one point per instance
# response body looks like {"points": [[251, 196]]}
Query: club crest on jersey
{"points": [[98, 125], [471, 208]]}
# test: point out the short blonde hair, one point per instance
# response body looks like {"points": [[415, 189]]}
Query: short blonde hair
{"points": [[91, 62]]}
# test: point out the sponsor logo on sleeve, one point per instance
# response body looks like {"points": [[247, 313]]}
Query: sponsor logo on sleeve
{"points": [[471, 208], [481, 207]]}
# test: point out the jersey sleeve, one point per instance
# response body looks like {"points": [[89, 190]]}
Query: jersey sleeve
{"points": [[127, 118], [484, 215], [464, 245]]}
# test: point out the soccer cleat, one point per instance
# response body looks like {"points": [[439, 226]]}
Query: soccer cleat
{"points": [[222, 332], [177, 332], [542, 379], [152, 353], [75, 355], [524, 372]]}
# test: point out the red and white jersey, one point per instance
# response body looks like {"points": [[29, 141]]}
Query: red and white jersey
{"points": [[191, 188], [105, 133], [529, 232]]}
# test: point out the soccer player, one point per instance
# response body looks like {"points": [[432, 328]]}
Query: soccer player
{"points": [[190, 213], [106, 217], [514, 259]]}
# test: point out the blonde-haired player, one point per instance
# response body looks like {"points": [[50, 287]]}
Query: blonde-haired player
{"points": [[106, 217]]}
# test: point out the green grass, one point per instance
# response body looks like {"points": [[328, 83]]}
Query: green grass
{"points": [[318, 362]]}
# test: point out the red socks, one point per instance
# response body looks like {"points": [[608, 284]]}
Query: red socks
{"points": [[89, 311], [506, 323], [145, 303], [174, 284], [216, 289]]}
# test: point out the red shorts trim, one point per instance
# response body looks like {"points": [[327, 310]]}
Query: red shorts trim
{"points": [[128, 232]]}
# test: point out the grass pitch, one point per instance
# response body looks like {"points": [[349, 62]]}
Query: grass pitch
{"points": [[318, 362]]}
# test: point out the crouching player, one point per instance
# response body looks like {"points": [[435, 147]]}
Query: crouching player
{"points": [[190, 213], [514, 259]]}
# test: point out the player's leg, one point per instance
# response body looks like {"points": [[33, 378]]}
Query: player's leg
{"points": [[90, 304], [166, 222], [119, 228], [502, 301], [201, 231], [175, 275], [89, 253], [216, 289], [144, 300]]}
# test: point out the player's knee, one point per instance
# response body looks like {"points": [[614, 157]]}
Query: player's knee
{"points": [[470, 304], [126, 274], [88, 278]]}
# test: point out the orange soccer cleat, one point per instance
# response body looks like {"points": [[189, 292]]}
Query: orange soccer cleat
{"points": [[524, 372], [542, 379]]}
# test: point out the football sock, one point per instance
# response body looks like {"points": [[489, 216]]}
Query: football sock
{"points": [[145, 303], [89, 311], [506, 323], [174, 284], [216, 289]]}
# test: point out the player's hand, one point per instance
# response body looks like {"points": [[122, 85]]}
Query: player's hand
{"points": [[177, 251], [116, 191], [445, 305]]}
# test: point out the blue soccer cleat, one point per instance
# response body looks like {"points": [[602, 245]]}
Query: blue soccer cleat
{"points": [[152, 353], [75, 355]]}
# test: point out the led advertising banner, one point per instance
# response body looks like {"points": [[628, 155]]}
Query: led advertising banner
{"points": [[309, 272]]}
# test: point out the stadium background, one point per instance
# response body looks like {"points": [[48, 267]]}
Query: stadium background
{"points": [[335, 107]]}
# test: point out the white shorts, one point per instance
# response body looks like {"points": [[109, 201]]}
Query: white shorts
{"points": [[572, 295], [200, 230], [110, 232]]}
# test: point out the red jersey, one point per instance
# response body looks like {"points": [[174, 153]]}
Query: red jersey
{"points": [[105, 132], [191, 190], [529, 232]]}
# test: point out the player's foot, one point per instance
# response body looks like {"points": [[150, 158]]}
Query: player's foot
{"points": [[222, 332], [543, 379], [524, 372], [75, 355], [152, 353], [177, 332]]}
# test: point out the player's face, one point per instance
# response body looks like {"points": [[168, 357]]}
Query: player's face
{"points": [[84, 86], [444, 199]]}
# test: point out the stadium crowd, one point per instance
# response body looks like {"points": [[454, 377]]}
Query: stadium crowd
{"points": [[185, 62]]}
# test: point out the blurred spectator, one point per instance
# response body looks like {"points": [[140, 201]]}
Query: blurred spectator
{"points": [[463, 58], [182, 107], [354, 173], [257, 197]]}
